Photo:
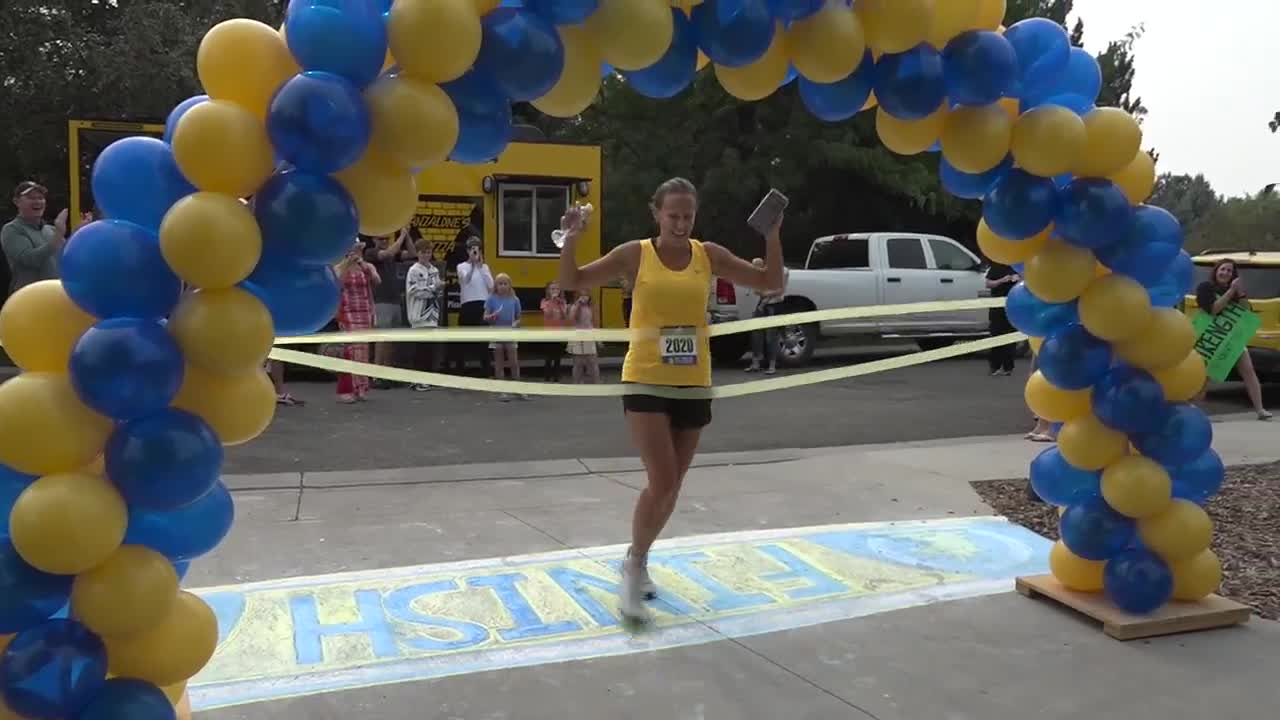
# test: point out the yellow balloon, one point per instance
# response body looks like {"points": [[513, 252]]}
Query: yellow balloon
{"points": [[1115, 307], [1052, 403], [1138, 178], [1089, 445], [1161, 344], [1047, 140], [174, 692], [761, 78], [237, 407], [1008, 252], [222, 147], [871, 101], [1197, 577], [128, 593], [632, 34], [385, 196], [413, 122], [1136, 487], [1073, 571], [952, 18], [1182, 531], [910, 137], [895, 26], [39, 325], [226, 332], [990, 15], [828, 46], [172, 650], [579, 83], [486, 6], [1035, 343], [1183, 381], [245, 62], [1011, 107], [1059, 272], [434, 40], [976, 139], [67, 523], [1112, 138], [45, 429], [210, 240]]}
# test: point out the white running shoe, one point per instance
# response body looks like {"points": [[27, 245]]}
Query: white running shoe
{"points": [[631, 603]]}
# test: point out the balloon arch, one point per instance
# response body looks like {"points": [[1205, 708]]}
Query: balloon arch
{"points": [[112, 437]]}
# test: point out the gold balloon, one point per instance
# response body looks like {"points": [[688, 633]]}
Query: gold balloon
{"points": [[175, 692], [1007, 251], [245, 62], [1073, 571], [225, 332], [1035, 343], [1115, 307], [579, 83], [128, 593], [990, 15], [1161, 344], [1089, 445], [828, 45], [412, 121], [210, 240], [632, 34], [951, 18], [1183, 381], [385, 196], [761, 78], [1138, 178], [172, 650], [1197, 577], [1052, 403], [895, 26], [976, 139], [1059, 272], [67, 523], [1112, 138], [45, 429], [1182, 531], [910, 137], [1136, 487], [222, 147], [434, 40], [237, 407], [485, 7], [871, 101], [39, 326], [1047, 140]]}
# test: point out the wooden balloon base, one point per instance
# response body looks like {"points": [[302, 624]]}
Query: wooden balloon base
{"points": [[1176, 617]]}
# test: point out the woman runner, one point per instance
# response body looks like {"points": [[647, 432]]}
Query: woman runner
{"points": [[671, 279]]}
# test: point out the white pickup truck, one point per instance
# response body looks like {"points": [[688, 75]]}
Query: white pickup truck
{"points": [[864, 269]]}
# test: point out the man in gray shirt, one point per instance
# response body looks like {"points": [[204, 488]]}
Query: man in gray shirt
{"points": [[31, 246]]}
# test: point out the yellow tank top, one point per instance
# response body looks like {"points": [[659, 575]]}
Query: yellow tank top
{"points": [[669, 313]]}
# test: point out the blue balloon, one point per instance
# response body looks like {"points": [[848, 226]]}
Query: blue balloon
{"points": [[1184, 434], [171, 122], [1092, 530], [302, 299], [164, 461], [484, 117], [1020, 205], [677, 67], [1129, 400], [968, 185], [1138, 581], [1200, 479], [792, 10], [1043, 49], [563, 12], [128, 699], [1076, 88], [1176, 282], [185, 533], [113, 268], [125, 368], [12, 483], [979, 66], [1153, 239], [1073, 359], [842, 99], [345, 37], [733, 33], [1035, 317], [1057, 482], [522, 52], [1093, 213], [911, 85], [319, 122], [305, 218], [606, 70], [182, 567], [137, 179], [53, 669], [28, 596]]}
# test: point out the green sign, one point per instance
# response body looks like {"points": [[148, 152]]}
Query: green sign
{"points": [[1221, 338]]}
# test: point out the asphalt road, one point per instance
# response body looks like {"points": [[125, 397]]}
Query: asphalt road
{"points": [[400, 428]]}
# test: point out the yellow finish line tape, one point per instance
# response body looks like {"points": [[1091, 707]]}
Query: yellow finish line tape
{"points": [[616, 390]]}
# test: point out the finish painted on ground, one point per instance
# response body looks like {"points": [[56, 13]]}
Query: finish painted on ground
{"points": [[302, 636]]}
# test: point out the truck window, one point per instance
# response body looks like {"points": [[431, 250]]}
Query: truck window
{"points": [[946, 256], [906, 254], [841, 253], [526, 216]]}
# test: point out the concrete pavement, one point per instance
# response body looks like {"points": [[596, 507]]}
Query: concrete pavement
{"points": [[829, 583]]}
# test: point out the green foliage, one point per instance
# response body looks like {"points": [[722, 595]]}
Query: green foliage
{"points": [[1210, 221]]}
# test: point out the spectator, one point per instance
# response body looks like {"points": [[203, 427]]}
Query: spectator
{"points": [[764, 343], [424, 290], [32, 247], [392, 260], [475, 282], [1223, 289], [586, 359], [1000, 280], [502, 310], [355, 312], [554, 315]]}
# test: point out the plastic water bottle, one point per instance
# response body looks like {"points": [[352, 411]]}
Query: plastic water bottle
{"points": [[584, 212]]}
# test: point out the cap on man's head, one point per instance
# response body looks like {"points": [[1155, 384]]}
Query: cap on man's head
{"points": [[28, 187], [474, 242]]}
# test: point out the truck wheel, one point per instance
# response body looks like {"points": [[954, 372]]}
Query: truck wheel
{"points": [[729, 349], [796, 344]]}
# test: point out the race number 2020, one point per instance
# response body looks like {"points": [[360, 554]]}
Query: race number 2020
{"points": [[678, 346]]}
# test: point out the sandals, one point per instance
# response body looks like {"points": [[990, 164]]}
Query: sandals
{"points": [[1038, 437], [287, 399]]}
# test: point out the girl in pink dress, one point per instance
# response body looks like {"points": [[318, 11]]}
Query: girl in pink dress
{"points": [[355, 312]]}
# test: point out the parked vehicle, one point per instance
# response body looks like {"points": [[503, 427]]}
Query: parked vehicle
{"points": [[862, 269], [1260, 271]]}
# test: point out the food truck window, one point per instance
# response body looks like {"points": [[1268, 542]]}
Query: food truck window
{"points": [[527, 215]]}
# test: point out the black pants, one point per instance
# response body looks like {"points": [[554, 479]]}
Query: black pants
{"points": [[1001, 358], [471, 314], [552, 354], [428, 356]]}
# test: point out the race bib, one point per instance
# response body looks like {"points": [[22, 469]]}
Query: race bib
{"points": [[678, 345]]}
